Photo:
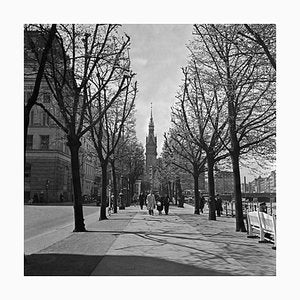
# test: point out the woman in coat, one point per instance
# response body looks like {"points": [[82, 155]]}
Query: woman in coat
{"points": [[150, 203]]}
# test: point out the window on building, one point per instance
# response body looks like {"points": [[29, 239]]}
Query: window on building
{"points": [[46, 98], [29, 143], [31, 118], [44, 142], [45, 119], [27, 172]]}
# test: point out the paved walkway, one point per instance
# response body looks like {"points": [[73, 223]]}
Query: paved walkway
{"points": [[135, 243]]}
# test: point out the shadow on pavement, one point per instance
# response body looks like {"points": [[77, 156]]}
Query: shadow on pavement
{"points": [[60, 264], [84, 265]]}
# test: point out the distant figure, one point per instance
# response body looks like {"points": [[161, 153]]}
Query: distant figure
{"points": [[61, 197], [263, 207], [159, 204], [142, 200], [219, 207], [150, 203], [166, 203], [202, 203], [30, 201]]}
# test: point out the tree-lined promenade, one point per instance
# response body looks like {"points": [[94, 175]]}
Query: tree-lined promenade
{"points": [[226, 105], [224, 111]]}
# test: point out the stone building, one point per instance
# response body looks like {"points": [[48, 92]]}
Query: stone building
{"points": [[47, 172], [264, 184]]}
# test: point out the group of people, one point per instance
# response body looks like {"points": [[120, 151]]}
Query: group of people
{"points": [[153, 201], [218, 204]]}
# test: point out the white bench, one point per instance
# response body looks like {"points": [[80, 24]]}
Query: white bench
{"points": [[263, 225]]}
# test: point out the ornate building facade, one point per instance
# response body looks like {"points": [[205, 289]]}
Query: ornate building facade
{"points": [[47, 172]]}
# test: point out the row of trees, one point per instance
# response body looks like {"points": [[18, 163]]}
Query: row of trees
{"points": [[87, 69], [225, 107]]}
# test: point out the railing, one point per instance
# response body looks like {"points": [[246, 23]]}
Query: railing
{"points": [[229, 207]]}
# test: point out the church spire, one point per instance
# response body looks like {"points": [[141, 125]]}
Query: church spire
{"points": [[151, 118]]}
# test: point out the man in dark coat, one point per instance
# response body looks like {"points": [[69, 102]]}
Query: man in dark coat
{"points": [[142, 200], [202, 203], [218, 205], [166, 202]]}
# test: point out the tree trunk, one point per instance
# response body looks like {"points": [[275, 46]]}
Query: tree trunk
{"points": [[175, 192], [239, 225], [103, 192], [170, 194], [196, 192], [211, 188], [180, 195], [74, 145], [115, 188], [131, 188], [234, 154]]}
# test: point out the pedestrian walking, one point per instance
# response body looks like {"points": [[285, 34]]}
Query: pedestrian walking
{"points": [[166, 203], [219, 207], [61, 197], [142, 200], [159, 204], [150, 203]]}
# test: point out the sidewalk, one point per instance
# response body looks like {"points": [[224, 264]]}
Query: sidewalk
{"points": [[135, 243]]}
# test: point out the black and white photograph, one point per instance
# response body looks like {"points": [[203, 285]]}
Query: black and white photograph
{"points": [[148, 154], [121, 179]]}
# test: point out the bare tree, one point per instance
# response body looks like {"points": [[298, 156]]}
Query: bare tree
{"points": [[166, 171], [117, 160], [265, 36], [134, 163], [106, 135], [248, 85], [71, 69], [203, 117], [184, 153]]}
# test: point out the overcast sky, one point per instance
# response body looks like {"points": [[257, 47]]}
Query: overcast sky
{"points": [[157, 54]]}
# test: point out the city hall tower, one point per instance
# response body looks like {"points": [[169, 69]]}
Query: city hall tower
{"points": [[151, 148]]}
